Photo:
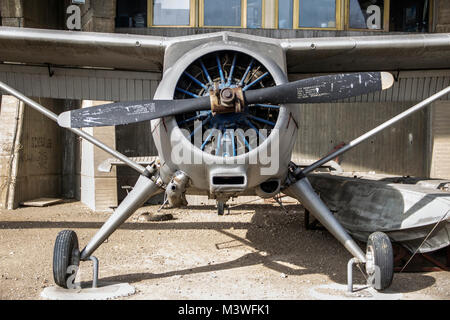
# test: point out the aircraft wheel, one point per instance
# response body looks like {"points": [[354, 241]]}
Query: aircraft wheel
{"points": [[220, 208], [380, 257], [66, 257]]}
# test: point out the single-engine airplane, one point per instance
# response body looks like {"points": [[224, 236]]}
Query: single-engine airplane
{"points": [[224, 117]]}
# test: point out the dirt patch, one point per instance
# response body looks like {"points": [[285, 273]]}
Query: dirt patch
{"points": [[256, 252]]}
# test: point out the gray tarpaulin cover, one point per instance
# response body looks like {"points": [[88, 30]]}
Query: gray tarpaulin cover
{"points": [[406, 209]]}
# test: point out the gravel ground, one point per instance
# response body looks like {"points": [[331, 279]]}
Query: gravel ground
{"points": [[256, 252]]}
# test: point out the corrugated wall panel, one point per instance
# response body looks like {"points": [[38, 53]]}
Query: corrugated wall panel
{"points": [[398, 150], [80, 84]]}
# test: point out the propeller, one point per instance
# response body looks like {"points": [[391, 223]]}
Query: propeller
{"points": [[311, 90]]}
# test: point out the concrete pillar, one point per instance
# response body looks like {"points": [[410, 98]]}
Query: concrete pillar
{"points": [[11, 112], [98, 189], [12, 13], [439, 164], [98, 15], [442, 16]]}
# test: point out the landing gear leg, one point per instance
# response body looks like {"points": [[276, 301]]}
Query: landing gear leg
{"points": [[303, 191], [378, 258], [65, 252]]}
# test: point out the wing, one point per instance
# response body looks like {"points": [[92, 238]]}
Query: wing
{"points": [[82, 49], [364, 53]]}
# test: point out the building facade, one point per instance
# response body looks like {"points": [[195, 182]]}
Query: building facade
{"points": [[38, 159]]}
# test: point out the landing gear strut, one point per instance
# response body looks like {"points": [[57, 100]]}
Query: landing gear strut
{"points": [[378, 258], [67, 256]]}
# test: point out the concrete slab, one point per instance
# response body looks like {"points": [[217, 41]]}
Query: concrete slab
{"points": [[336, 291], [41, 202], [103, 292]]}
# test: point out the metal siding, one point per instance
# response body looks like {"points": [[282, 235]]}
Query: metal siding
{"points": [[93, 94], [85, 88], [324, 126], [101, 88], [80, 84], [125, 86], [123, 90], [115, 90], [130, 90], [138, 89], [108, 90]]}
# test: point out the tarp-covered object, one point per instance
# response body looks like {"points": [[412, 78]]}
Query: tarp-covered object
{"points": [[406, 212]]}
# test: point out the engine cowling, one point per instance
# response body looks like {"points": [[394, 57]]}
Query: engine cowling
{"points": [[226, 153]]}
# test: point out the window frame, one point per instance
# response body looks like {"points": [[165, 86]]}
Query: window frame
{"points": [[386, 18], [296, 18], [277, 15], [201, 16], [192, 20]]}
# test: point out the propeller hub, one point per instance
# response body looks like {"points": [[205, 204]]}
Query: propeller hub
{"points": [[227, 95], [227, 100]]}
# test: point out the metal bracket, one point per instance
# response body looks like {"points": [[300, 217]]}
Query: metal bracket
{"points": [[95, 270], [350, 264], [50, 71]]}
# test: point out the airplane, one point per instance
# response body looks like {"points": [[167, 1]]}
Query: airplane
{"points": [[224, 118]]}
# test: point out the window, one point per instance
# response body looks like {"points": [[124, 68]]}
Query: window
{"points": [[285, 14], [367, 14], [131, 14], [254, 13], [222, 13], [410, 15], [317, 14], [171, 12]]}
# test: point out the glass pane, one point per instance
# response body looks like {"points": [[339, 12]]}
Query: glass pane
{"points": [[366, 14], [409, 16], [285, 13], [317, 13], [131, 14], [222, 13], [254, 13], [171, 12]]}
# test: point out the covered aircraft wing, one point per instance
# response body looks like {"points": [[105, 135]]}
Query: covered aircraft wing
{"points": [[72, 48], [380, 52]]}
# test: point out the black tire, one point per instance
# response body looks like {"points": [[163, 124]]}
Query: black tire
{"points": [[380, 247], [220, 208], [65, 254]]}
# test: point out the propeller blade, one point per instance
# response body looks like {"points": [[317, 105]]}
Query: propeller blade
{"points": [[312, 90], [322, 89], [118, 113]]}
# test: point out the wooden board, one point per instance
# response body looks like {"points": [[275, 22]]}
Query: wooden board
{"points": [[41, 202]]}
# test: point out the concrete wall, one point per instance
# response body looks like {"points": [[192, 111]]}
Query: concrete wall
{"points": [[40, 161], [30, 153], [439, 144], [11, 113], [12, 13], [98, 15], [442, 16], [46, 14], [97, 189]]}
